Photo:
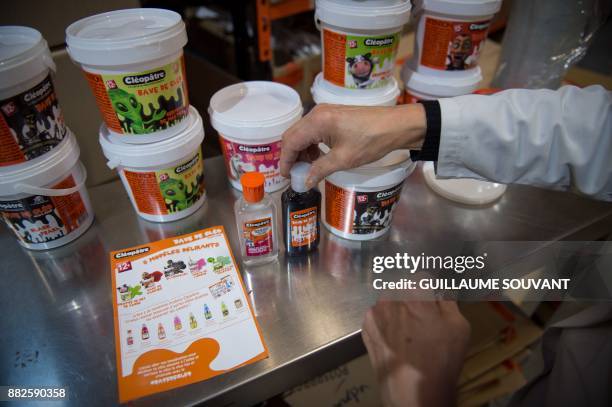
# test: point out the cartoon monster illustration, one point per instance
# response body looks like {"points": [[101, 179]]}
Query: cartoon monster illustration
{"points": [[135, 120], [29, 228], [219, 262], [175, 191], [124, 291], [174, 267], [127, 292], [374, 216], [134, 291], [196, 265], [361, 67], [458, 53], [149, 279]]}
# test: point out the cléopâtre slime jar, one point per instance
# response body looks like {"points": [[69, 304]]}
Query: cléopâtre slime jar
{"points": [[359, 203], [251, 118], [164, 180], [31, 121], [133, 61], [451, 35], [360, 40], [45, 201]]}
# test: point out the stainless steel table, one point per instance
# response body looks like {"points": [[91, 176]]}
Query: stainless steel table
{"points": [[56, 326]]}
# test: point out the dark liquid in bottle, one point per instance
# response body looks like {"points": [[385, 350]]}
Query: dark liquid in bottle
{"points": [[301, 221]]}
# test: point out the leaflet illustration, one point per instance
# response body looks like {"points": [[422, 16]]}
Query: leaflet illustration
{"points": [[181, 313]]}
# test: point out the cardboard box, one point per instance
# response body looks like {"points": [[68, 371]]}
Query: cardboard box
{"points": [[499, 339]]}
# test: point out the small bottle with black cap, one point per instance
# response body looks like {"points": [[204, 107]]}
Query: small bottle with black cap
{"points": [[301, 213]]}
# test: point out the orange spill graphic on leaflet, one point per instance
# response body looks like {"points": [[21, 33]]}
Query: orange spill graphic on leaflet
{"points": [[194, 364]]}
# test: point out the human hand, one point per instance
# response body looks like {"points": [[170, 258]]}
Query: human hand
{"points": [[417, 349], [355, 135]]}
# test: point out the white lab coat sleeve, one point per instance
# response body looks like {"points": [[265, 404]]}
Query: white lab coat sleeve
{"points": [[555, 139]]}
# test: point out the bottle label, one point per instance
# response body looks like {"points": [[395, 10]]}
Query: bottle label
{"points": [[453, 45], [31, 124], [43, 219], [258, 237], [142, 102], [303, 227], [169, 190], [359, 61], [357, 212]]}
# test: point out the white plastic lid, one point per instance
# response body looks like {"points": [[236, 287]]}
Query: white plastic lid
{"points": [[439, 87], [325, 92], [155, 154], [42, 170], [299, 173], [23, 55], [124, 37], [465, 191], [390, 170], [460, 7], [364, 14], [254, 110]]}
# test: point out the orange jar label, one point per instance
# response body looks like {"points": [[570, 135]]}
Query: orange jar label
{"points": [[452, 45], [357, 212]]}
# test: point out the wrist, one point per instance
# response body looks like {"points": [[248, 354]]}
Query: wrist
{"points": [[408, 386], [411, 123]]}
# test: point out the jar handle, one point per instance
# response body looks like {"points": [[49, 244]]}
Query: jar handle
{"points": [[30, 189], [317, 21]]}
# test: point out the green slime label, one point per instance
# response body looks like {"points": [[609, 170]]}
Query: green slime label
{"points": [[142, 102]]}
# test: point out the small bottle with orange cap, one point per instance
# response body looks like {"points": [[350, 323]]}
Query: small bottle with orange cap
{"points": [[256, 220]]}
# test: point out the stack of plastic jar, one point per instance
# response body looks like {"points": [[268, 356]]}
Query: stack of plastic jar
{"points": [[133, 62], [360, 40], [43, 198]]}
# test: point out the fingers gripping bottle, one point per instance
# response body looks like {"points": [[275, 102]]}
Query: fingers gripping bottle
{"points": [[301, 213], [256, 220]]}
